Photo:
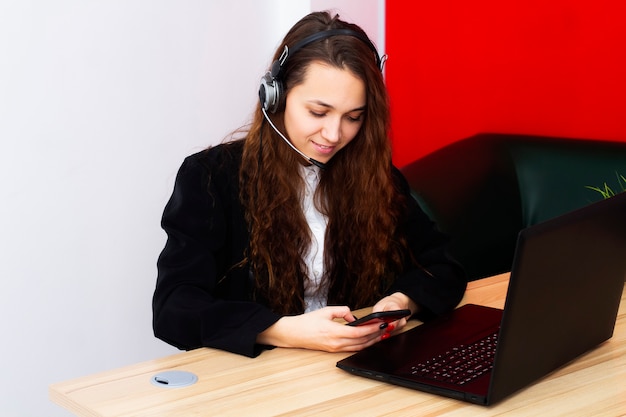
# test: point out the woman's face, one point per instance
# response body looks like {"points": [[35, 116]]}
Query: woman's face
{"points": [[325, 112]]}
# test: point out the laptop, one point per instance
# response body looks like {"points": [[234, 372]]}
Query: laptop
{"points": [[563, 297]]}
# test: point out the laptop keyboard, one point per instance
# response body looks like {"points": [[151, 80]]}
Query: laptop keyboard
{"points": [[461, 364]]}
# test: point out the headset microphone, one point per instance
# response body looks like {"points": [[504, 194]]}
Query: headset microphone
{"points": [[291, 145]]}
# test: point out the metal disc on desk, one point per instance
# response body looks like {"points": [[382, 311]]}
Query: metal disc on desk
{"points": [[174, 379]]}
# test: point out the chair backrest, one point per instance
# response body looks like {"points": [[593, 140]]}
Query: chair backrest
{"points": [[554, 176], [484, 189]]}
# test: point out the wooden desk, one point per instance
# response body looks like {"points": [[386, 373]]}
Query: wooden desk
{"points": [[294, 382]]}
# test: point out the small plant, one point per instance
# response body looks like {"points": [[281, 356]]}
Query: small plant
{"points": [[607, 191]]}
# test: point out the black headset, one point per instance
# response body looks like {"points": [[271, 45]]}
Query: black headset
{"points": [[271, 89]]}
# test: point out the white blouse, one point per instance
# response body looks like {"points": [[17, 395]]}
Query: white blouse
{"points": [[314, 296]]}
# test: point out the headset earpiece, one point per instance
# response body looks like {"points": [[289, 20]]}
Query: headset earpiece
{"points": [[269, 92]]}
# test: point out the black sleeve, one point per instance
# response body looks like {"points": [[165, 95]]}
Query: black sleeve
{"points": [[191, 306], [435, 282]]}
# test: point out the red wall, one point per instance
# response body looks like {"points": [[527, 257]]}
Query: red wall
{"points": [[547, 67]]}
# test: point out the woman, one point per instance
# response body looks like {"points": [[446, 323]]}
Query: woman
{"points": [[273, 236]]}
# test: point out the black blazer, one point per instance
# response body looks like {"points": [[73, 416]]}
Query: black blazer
{"points": [[203, 298]]}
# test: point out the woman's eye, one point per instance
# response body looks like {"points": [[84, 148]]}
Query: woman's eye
{"points": [[356, 118], [315, 114]]}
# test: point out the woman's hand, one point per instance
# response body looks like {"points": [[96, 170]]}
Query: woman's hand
{"points": [[395, 301], [318, 330]]}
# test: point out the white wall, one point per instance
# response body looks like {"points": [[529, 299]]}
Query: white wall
{"points": [[99, 102]]}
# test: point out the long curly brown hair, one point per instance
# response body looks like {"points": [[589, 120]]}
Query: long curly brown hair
{"points": [[356, 190]]}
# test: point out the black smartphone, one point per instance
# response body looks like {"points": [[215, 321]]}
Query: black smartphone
{"points": [[381, 317]]}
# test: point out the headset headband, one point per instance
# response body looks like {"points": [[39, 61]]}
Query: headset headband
{"points": [[277, 65]]}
